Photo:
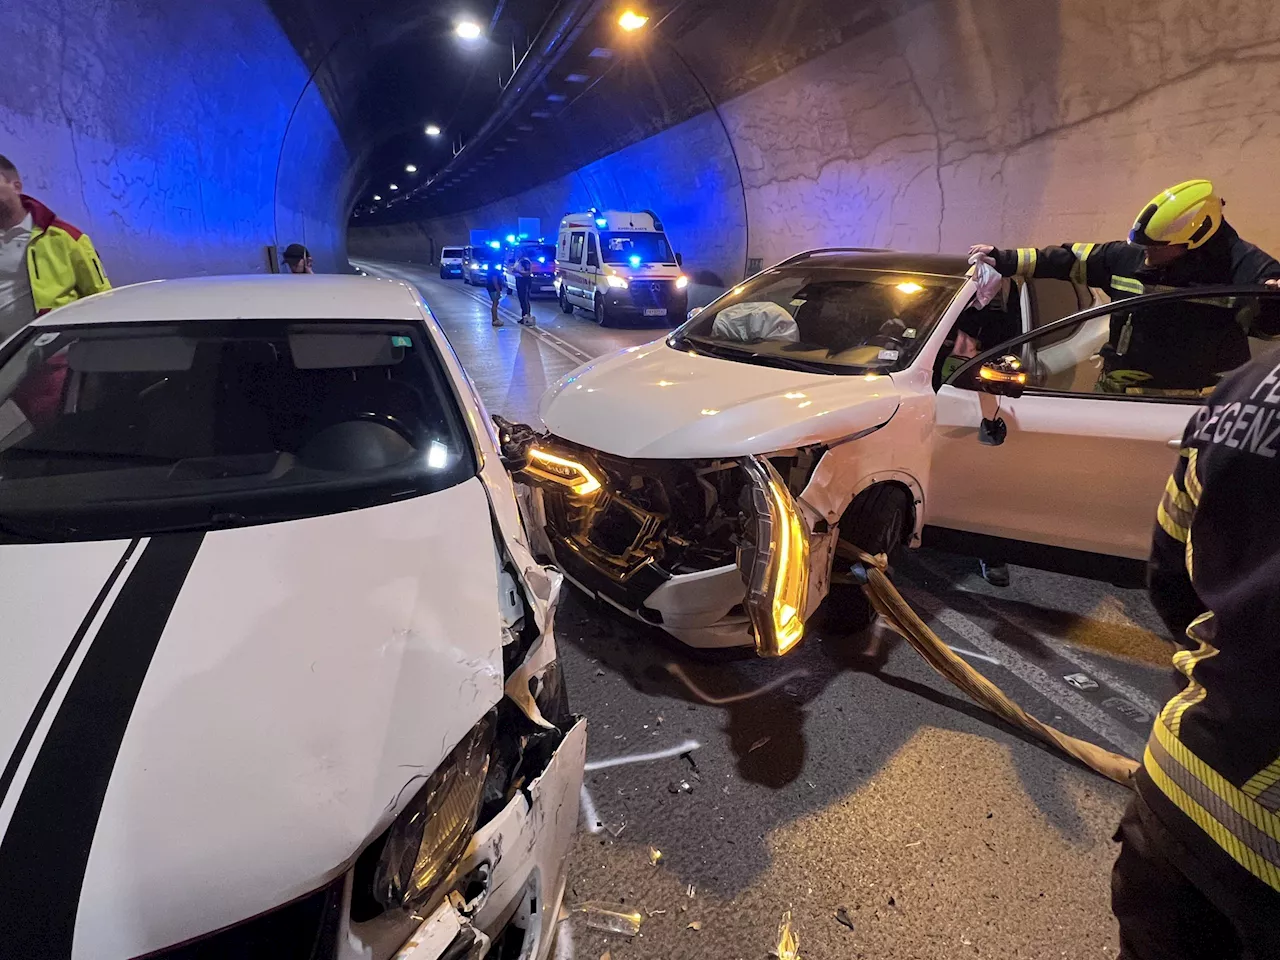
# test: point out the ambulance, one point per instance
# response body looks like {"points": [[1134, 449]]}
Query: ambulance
{"points": [[619, 266]]}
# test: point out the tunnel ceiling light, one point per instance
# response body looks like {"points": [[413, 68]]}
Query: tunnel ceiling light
{"points": [[393, 187], [410, 168], [377, 197], [468, 29], [432, 130], [632, 21]]}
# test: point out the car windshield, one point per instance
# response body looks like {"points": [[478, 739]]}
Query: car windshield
{"points": [[823, 318], [451, 253], [636, 247], [539, 253], [124, 430]]}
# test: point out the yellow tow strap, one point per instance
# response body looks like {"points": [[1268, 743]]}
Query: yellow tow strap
{"points": [[897, 613]]}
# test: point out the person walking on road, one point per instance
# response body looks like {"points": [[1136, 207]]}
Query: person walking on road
{"points": [[523, 270], [1180, 239], [44, 262], [496, 284], [1198, 876]]}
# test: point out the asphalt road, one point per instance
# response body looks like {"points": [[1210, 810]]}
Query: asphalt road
{"points": [[846, 775]]}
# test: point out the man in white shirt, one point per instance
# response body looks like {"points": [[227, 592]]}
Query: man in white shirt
{"points": [[17, 308]]}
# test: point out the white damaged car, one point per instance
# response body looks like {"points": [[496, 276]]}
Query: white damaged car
{"points": [[278, 677], [715, 483]]}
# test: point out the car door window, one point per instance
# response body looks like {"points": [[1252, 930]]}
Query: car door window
{"points": [[593, 251], [576, 244], [1171, 347]]}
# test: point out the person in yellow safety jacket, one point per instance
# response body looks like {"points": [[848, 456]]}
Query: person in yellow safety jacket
{"points": [[1178, 240], [1198, 875]]}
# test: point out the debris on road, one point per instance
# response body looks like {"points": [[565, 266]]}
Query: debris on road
{"points": [[605, 916], [680, 786], [788, 947], [843, 918], [758, 744], [695, 925], [655, 855], [691, 891], [656, 913]]}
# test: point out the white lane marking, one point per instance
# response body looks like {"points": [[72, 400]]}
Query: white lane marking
{"points": [[589, 811], [972, 655], [1066, 651], [687, 747], [676, 671], [1065, 699]]}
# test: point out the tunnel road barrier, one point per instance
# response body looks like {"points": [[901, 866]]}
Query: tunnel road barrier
{"points": [[898, 615]]}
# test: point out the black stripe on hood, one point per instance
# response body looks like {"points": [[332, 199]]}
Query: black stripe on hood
{"points": [[29, 731], [45, 850]]}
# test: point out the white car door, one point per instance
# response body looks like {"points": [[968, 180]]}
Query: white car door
{"points": [[1077, 468]]}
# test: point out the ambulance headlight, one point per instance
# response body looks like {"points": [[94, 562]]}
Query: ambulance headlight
{"points": [[617, 282], [682, 282]]}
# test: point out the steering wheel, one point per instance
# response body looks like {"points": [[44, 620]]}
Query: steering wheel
{"points": [[390, 422]]}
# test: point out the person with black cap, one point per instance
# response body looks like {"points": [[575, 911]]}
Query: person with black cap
{"points": [[297, 258]]}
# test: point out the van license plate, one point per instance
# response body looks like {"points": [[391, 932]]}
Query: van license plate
{"points": [[656, 312]]}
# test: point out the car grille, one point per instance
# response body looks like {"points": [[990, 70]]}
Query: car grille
{"points": [[649, 294]]}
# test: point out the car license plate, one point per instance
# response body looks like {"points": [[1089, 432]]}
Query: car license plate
{"points": [[656, 312], [550, 288]]}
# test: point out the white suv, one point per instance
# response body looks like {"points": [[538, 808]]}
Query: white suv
{"points": [[703, 482]]}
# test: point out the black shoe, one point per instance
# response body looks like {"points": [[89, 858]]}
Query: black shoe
{"points": [[996, 574]]}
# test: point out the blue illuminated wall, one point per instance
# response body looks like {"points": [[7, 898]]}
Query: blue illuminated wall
{"points": [[157, 127], [687, 175]]}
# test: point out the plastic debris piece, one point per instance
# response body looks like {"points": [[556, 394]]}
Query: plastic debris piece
{"points": [[656, 913], [695, 925], [680, 786], [788, 947], [606, 956], [843, 918], [758, 744], [605, 916], [655, 855], [691, 891]]}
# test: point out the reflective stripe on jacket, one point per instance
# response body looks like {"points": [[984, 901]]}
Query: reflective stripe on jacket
{"points": [[61, 262]]}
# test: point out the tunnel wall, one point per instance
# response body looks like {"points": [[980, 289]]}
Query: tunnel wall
{"points": [[966, 121], [157, 128]]}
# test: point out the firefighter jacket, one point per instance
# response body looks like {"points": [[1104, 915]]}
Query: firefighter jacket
{"points": [[1211, 771], [1185, 349], [61, 262]]}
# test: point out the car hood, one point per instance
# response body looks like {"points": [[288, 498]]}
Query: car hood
{"points": [[239, 711], [661, 403]]}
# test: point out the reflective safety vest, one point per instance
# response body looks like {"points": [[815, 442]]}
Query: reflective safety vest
{"points": [[1212, 763]]}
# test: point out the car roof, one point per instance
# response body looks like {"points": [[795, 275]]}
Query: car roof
{"points": [[896, 261], [263, 297]]}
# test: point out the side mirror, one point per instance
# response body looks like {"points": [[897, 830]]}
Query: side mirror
{"points": [[679, 259], [1003, 376]]}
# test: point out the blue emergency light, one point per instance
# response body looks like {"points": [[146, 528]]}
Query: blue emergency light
{"points": [[601, 222], [511, 238], [635, 261], [495, 244]]}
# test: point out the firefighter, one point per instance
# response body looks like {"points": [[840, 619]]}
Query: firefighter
{"points": [[1179, 240], [1198, 875]]}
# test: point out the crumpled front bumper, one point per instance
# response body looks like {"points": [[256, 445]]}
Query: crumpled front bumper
{"points": [[522, 856]]}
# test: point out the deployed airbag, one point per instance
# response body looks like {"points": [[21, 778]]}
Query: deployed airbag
{"points": [[753, 321]]}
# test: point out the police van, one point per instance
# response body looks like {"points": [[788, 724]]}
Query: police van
{"points": [[620, 266]]}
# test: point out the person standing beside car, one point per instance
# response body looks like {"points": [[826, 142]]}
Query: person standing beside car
{"points": [[496, 284], [523, 270]]}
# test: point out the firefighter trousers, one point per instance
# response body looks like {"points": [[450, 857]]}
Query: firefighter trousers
{"points": [[1223, 914]]}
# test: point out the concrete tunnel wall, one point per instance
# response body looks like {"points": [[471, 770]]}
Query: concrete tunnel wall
{"points": [[157, 128], [959, 121]]}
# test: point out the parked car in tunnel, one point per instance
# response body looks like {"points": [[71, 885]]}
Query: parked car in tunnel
{"points": [[478, 261], [716, 483], [542, 258], [279, 677], [451, 261]]}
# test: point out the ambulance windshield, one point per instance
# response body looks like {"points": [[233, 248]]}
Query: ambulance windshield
{"points": [[636, 247]]}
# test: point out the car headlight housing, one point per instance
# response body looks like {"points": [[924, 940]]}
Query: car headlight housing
{"points": [[775, 562], [617, 282], [682, 282], [429, 837]]}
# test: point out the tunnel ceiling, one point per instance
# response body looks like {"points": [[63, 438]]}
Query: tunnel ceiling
{"points": [[387, 69]]}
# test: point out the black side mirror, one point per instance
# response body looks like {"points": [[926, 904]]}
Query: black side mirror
{"points": [[679, 259], [1002, 376]]}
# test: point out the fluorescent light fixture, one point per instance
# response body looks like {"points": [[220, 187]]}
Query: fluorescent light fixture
{"points": [[377, 197], [432, 130], [393, 187], [631, 20], [410, 168], [468, 29]]}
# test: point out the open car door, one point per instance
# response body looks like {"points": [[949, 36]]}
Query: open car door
{"points": [[1044, 459]]}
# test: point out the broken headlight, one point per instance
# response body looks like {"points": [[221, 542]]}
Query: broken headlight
{"points": [[774, 561], [431, 834]]}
